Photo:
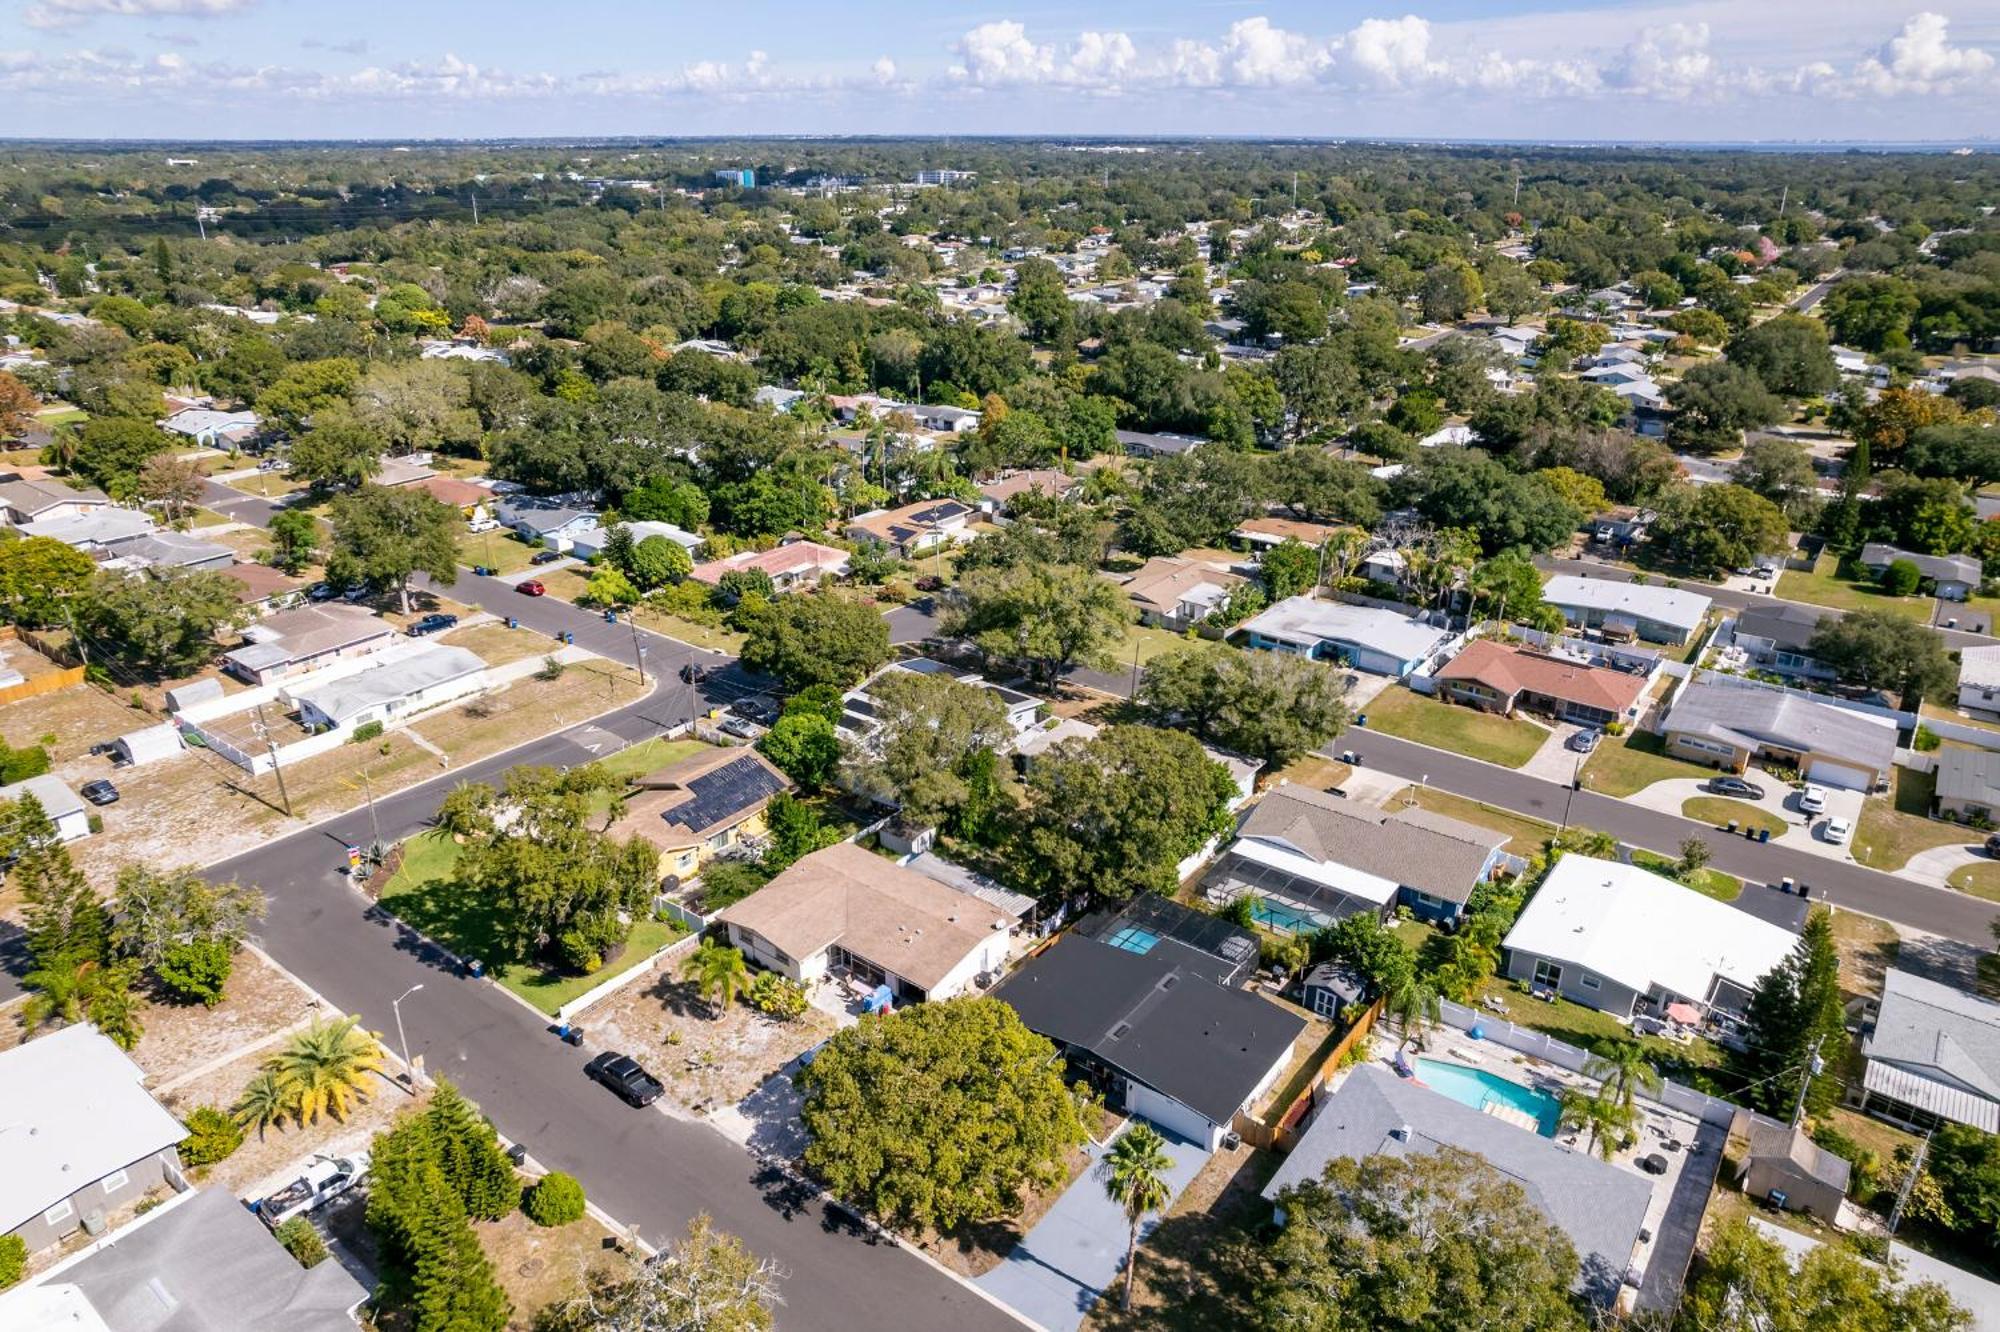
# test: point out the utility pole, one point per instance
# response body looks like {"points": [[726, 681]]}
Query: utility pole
{"points": [[374, 823], [1909, 1182], [1813, 1066], [475, 208], [638, 653], [277, 770], [1784, 196], [1135, 670]]}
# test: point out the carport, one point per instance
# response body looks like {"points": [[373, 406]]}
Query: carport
{"points": [[147, 746]]}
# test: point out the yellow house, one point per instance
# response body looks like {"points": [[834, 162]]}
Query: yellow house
{"points": [[702, 805]]}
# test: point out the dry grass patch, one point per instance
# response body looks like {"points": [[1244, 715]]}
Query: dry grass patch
{"points": [[539, 1266], [1867, 948], [495, 643], [527, 708], [705, 1061], [77, 717]]}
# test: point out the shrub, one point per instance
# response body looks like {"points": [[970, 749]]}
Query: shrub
{"points": [[1900, 579], [365, 732], [17, 765], [1926, 740], [552, 669], [1614, 728], [776, 996], [196, 972], [13, 1259], [555, 1200], [212, 1136], [301, 1241]]}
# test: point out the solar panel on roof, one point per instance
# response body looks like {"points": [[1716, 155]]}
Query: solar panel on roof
{"points": [[728, 790]]}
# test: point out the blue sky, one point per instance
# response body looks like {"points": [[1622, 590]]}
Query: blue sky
{"points": [[1557, 69]]}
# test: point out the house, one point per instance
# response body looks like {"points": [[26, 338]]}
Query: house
{"points": [[1176, 593], [1310, 858], [858, 706], [460, 349], [1792, 1172], [701, 806], [1625, 941], [92, 531], [462, 495], [1385, 566], [791, 564], [546, 521], [82, 1136], [1979, 679], [915, 528], [1725, 722], [1267, 533], [263, 588], [304, 639], [1142, 445], [1374, 1112], [1142, 1023], [776, 398], [64, 807], [1934, 1056], [201, 1261], [1623, 611], [1383, 642], [846, 910], [1968, 784], [212, 429], [1500, 677], [168, 551], [28, 500], [1778, 638], [1453, 436], [1620, 525], [391, 690], [589, 545], [405, 470], [1204, 944], [997, 495], [1954, 577]]}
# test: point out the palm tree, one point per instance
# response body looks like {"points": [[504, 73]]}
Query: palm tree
{"points": [[325, 1067], [1603, 1119], [265, 1103], [1622, 1070], [1415, 1004], [1134, 1175], [57, 992], [718, 973]]}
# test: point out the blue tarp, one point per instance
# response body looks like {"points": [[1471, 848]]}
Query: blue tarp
{"points": [[880, 1001]]}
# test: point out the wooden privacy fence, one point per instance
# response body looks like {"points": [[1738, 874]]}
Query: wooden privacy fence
{"points": [[41, 684], [1283, 1132]]}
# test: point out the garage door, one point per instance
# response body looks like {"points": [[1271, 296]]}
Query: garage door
{"points": [[1840, 775], [1170, 1114]]}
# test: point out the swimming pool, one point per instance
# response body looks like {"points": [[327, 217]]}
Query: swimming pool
{"points": [[1285, 917], [1134, 940], [1477, 1088]]}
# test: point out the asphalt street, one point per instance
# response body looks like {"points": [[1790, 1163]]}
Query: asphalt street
{"points": [[1918, 906]]}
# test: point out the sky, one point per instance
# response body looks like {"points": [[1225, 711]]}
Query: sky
{"points": [[1562, 70]]}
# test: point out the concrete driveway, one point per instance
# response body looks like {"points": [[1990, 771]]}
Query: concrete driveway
{"points": [[1936, 865], [1076, 1251], [1801, 830], [1555, 761]]}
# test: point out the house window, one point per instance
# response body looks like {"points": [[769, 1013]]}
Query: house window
{"points": [[116, 1180], [1588, 981], [58, 1214], [1548, 974]]}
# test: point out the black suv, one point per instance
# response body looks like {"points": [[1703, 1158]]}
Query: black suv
{"points": [[622, 1074], [431, 624]]}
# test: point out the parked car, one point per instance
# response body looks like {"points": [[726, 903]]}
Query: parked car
{"points": [[741, 727], [1735, 786], [431, 624], [1837, 831], [1812, 800], [322, 592], [760, 708], [99, 792], [545, 557], [627, 1080], [1993, 845], [531, 588], [1583, 742], [323, 1179], [356, 592]]}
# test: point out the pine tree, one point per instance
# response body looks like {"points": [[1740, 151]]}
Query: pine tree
{"points": [[65, 918], [433, 1266], [470, 1155], [1797, 1003]]}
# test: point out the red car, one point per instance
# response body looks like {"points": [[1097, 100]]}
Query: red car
{"points": [[531, 588]]}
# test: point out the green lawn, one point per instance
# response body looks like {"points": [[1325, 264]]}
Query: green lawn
{"points": [[1586, 1028], [1525, 836], [499, 549], [1507, 741], [1149, 643], [716, 636], [1981, 880], [1891, 831], [648, 755], [1719, 811], [1708, 882], [1632, 762], [423, 894], [1824, 587]]}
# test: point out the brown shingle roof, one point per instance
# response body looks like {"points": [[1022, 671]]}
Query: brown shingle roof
{"points": [[1165, 579], [1509, 670], [260, 581], [1415, 847], [894, 917]]}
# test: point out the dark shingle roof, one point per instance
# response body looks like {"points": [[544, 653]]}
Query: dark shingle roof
{"points": [[1413, 847]]}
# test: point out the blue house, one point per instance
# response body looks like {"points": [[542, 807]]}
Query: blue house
{"points": [[1382, 642]]}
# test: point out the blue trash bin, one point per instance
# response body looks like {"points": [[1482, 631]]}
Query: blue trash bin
{"points": [[513, 623]]}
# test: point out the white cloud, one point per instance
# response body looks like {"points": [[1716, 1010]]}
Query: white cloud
{"points": [[1000, 53], [63, 13], [1390, 52], [1102, 57], [1921, 59], [884, 70], [1670, 61]]}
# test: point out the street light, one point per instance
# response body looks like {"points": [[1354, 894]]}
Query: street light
{"points": [[401, 1039]]}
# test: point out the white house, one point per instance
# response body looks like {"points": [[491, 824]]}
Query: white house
{"points": [[554, 522], [26, 500], [63, 806], [588, 545], [1383, 642], [1979, 679], [390, 691], [1626, 610]]}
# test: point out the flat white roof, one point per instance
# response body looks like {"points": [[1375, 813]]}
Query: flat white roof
{"points": [[1643, 930], [1666, 605], [1979, 666], [1303, 620]]}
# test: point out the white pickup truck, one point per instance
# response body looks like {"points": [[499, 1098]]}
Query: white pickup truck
{"points": [[323, 1179]]}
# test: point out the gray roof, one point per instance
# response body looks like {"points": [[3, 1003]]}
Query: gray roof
{"points": [[1305, 622], [1155, 1017], [98, 527], [1154, 443], [542, 514], [1413, 847], [51, 791], [1749, 716], [1769, 1139], [172, 550], [1787, 624], [1599, 1206], [1942, 1035], [205, 1264], [1969, 774], [79, 1113], [1647, 601], [390, 679], [33, 497], [1943, 568]]}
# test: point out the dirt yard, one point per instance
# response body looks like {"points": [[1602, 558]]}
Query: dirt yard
{"points": [[539, 1265], [704, 1061], [1867, 948], [68, 722]]}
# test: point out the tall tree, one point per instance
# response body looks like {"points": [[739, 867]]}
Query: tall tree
{"points": [[705, 1281], [434, 1268], [39, 579], [1719, 527], [1045, 618], [1717, 401], [1788, 354], [385, 536], [1744, 1282], [470, 1155], [815, 638], [928, 726], [163, 625], [1884, 650], [1134, 1172], [1271, 706], [1795, 1015], [64, 917]]}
